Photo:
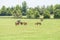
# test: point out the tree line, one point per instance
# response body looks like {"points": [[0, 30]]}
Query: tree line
{"points": [[36, 12]]}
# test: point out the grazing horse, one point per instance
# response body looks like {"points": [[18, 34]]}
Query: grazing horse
{"points": [[38, 23], [16, 23], [21, 23], [24, 23]]}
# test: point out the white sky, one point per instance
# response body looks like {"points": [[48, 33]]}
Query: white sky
{"points": [[30, 3]]}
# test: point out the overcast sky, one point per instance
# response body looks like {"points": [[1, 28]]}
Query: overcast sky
{"points": [[30, 3]]}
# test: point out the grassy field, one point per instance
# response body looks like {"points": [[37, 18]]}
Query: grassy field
{"points": [[49, 30]]}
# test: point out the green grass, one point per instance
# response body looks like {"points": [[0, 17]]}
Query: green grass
{"points": [[49, 30]]}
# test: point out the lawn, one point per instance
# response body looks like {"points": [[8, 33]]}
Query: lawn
{"points": [[49, 30]]}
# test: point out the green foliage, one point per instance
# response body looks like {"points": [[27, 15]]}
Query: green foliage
{"points": [[50, 9], [19, 11], [57, 13], [3, 11], [38, 9], [46, 14], [24, 8], [30, 13], [37, 15], [57, 6], [42, 9], [8, 12]]}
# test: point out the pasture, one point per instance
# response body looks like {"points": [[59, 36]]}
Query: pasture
{"points": [[49, 30]]}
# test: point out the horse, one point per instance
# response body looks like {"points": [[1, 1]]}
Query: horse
{"points": [[25, 23], [16, 23], [38, 23], [21, 23]]}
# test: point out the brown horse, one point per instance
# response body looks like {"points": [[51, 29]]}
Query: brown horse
{"points": [[25, 23], [38, 23], [21, 23], [16, 23]]}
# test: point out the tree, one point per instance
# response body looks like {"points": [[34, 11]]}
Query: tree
{"points": [[18, 7], [8, 12], [37, 15], [24, 8], [3, 11], [30, 13], [17, 14], [46, 14], [57, 13], [50, 9], [38, 9], [42, 9], [57, 6], [17, 11]]}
